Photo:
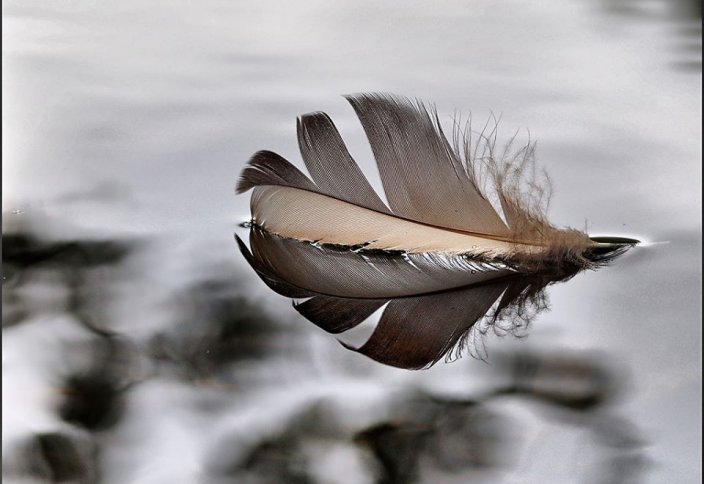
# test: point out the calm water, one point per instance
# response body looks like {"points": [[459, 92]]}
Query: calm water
{"points": [[130, 123]]}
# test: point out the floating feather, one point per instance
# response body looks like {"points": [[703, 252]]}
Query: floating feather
{"points": [[440, 253]]}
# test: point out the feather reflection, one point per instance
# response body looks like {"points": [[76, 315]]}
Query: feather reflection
{"points": [[418, 326]]}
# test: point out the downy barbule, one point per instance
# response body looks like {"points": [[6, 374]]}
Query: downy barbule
{"points": [[462, 246]]}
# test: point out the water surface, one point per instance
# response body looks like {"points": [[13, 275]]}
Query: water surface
{"points": [[130, 122]]}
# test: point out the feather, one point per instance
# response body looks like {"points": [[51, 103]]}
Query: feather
{"points": [[441, 254], [364, 273], [415, 331]]}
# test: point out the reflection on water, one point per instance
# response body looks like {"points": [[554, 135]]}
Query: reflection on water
{"points": [[413, 331], [414, 436], [686, 15], [217, 327], [54, 457]]}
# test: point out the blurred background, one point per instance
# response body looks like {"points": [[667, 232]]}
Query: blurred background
{"points": [[138, 345]]}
